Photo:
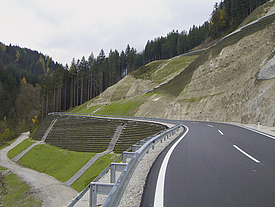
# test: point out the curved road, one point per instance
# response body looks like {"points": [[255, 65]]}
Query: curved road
{"points": [[214, 164]]}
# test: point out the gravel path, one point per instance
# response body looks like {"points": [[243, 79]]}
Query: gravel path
{"points": [[51, 191]]}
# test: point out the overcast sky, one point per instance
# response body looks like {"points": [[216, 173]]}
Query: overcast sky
{"points": [[67, 29]]}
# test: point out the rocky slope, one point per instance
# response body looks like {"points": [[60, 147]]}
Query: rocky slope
{"points": [[233, 81]]}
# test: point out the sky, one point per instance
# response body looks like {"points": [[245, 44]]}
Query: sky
{"points": [[72, 29]]}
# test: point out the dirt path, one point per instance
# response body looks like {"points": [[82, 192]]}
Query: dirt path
{"points": [[50, 190]]}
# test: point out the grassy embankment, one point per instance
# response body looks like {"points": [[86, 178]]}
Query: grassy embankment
{"points": [[157, 71], [60, 163], [15, 192]]}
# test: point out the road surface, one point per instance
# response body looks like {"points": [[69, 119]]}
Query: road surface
{"points": [[214, 164]]}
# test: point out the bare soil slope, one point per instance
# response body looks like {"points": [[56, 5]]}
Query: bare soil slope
{"points": [[222, 84]]}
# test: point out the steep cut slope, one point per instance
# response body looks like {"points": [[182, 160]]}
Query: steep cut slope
{"points": [[157, 73], [222, 84]]}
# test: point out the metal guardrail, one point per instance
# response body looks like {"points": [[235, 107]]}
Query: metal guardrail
{"points": [[175, 122], [116, 190]]}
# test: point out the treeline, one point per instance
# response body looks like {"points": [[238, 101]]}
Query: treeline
{"points": [[85, 79], [229, 14], [175, 43], [225, 18], [20, 101]]}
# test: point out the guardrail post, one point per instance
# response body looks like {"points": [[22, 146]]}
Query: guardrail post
{"points": [[116, 167], [98, 188], [127, 155], [93, 195]]}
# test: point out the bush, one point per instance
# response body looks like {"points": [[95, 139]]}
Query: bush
{"points": [[8, 135]]}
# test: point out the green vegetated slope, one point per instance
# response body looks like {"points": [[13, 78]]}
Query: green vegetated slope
{"points": [[84, 135], [59, 163], [125, 97], [221, 84], [15, 192]]}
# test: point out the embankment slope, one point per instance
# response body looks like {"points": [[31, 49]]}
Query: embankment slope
{"points": [[222, 84]]}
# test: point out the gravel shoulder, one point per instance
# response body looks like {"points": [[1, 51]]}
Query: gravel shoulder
{"points": [[51, 191]]}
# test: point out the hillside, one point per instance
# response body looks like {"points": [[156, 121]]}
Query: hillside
{"points": [[222, 84], [21, 73]]}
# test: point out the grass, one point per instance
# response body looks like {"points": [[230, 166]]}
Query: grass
{"points": [[164, 68], [19, 148], [83, 108], [2, 168], [7, 143], [174, 66], [146, 71], [59, 163], [125, 107], [93, 171], [258, 12], [17, 193], [122, 88]]}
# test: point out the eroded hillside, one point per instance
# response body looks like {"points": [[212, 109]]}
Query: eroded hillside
{"points": [[222, 84]]}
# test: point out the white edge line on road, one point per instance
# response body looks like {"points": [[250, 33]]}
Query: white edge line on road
{"points": [[209, 125], [252, 158], [220, 132], [159, 193], [253, 130], [260, 132]]}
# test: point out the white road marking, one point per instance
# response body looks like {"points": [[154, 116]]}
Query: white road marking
{"points": [[252, 158], [159, 194], [220, 132], [210, 125], [271, 137], [267, 135]]}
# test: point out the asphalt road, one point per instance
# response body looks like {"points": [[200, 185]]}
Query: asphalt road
{"points": [[214, 165]]}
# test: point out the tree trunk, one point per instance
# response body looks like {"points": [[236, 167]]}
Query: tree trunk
{"points": [[65, 96], [81, 91], [53, 100], [77, 92], [74, 94], [57, 101], [91, 91], [42, 107], [71, 94], [47, 102], [60, 97], [88, 90]]}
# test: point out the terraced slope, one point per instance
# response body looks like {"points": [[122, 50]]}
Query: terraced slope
{"points": [[90, 134], [84, 134], [135, 131]]}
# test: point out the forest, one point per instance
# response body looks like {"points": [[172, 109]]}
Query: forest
{"points": [[32, 84]]}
